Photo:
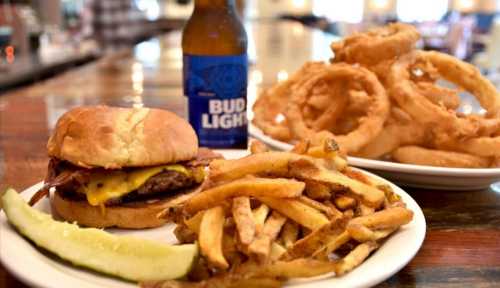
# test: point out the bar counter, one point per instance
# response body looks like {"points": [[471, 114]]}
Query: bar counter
{"points": [[30, 68], [462, 244]]}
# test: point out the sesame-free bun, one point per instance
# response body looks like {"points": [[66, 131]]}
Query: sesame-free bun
{"points": [[113, 137], [134, 215]]}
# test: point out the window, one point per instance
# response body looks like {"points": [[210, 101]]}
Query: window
{"points": [[345, 11], [423, 10]]}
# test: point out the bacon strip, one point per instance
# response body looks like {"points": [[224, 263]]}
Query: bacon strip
{"points": [[204, 157], [51, 180]]}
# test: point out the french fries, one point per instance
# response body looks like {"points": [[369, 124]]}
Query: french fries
{"points": [[243, 217], [261, 246], [326, 148], [317, 191], [229, 280], [184, 234], [333, 243], [345, 202], [260, 163], [210, 237], [362, 233], [369, 195], [194, 222], [276, 251], [255, 283], [259, 216], [364, 210], [327, 210], [301, 147], [258, 147], [297, 211], [276, 215], [336, 213], [388, 218], [355, 257], [255, 187], [315, 240], [273, 225], [303, 267], [275, 163], [290, 233]]}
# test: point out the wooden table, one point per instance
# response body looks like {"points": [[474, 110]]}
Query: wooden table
{"points": [[462, 245]]}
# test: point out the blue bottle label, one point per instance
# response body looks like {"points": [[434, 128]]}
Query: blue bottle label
{"points": [[216, 87]]}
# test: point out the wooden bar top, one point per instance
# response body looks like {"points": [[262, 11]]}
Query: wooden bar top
{"points": [[462, 244]]}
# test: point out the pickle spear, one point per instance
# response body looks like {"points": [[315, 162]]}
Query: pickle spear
{"points": [[126, 257]]}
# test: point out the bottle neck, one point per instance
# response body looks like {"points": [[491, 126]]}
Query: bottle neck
{"points": [[204, 4]]}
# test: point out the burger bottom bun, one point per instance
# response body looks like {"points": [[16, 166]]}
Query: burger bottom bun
{"points": [[134, 215]]}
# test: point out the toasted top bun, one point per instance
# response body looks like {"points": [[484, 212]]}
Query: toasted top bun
{"points": [[112, 137]]}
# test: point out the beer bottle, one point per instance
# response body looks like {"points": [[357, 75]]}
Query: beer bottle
{"points": [[215, 68]]}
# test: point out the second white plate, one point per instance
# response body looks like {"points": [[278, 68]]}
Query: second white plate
{"points": [[441, 178]]}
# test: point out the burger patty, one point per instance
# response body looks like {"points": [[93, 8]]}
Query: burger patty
{"points": [[162, 184], [68, 181], [167, 180]]}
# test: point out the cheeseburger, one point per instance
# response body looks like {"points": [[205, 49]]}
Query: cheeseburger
{"points": [[121, 167]]}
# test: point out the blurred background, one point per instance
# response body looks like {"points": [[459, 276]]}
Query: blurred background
{"points": [[41, 38]]}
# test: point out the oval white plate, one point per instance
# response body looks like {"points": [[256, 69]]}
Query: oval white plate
{"points": [[441, 178], [40, 269]]}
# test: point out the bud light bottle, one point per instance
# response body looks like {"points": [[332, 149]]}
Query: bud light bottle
{"points": [[215, 71]]}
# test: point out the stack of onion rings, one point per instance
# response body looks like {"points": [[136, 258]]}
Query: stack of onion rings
{"points": [[383, 99], [376, 45], [370, 125]]}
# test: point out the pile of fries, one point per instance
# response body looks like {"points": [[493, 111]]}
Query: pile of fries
{"points": [[272, 216]]}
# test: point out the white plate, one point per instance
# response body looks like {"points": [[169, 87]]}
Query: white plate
{"points": [[441, 178], [41, 269]]}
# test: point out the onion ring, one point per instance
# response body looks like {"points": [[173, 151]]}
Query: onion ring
{"points": [[405, 92], [267, 119], [442, 96], [334, 110], [370, 125], [479, 146], [430, 157], [376, 45], [467, 77], [358, 101], [399, 130], [271, 103]]}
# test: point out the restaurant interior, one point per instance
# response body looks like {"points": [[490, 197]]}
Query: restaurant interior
{"points": [[42, 38], [56, 55]]}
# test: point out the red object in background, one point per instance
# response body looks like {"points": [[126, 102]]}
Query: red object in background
{"points": [[10, 17], [10, 54]]}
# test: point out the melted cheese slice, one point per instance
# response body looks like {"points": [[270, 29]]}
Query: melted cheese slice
{"points": [[105, 186]]}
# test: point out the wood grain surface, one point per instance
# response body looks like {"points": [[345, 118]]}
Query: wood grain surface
{"points": [[462, 245]]}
